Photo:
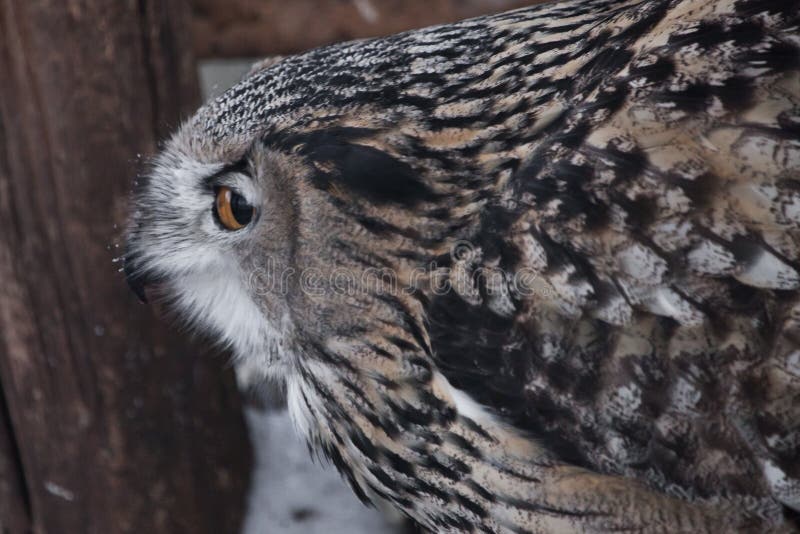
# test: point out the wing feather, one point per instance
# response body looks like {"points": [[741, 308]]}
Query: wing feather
{"points": [[659, 214]]}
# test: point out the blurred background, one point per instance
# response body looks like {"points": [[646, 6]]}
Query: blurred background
{"points": [[111, 418]]}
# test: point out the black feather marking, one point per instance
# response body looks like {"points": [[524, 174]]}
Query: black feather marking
{"points": [[408, 319], [736, 93], [787, 8], [707, 34], [481, 491], [359, 255], [407, 414], [693, 99], [364, 170], [364, 445], [781, 56], [608, 60], [657, 12], [240, 167], [659, 71], [423, 372], [549, 510], [475, 427], [572, 136], [397, 463], [370, 172], [402, 344], [701, 189], [639, 212], [432, 463], [463, 444], [457, 523], [335, 457], [790, 126], [382, 476], [471, 505], [419, 486]]}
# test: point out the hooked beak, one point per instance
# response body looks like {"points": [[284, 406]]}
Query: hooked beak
{"points": [[137, 280]]}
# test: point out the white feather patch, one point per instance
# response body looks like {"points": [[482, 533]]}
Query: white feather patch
{"points": [[712, 259], [768, 271]]}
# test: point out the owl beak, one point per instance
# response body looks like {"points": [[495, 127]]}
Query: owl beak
{"points": [[136, 280]]}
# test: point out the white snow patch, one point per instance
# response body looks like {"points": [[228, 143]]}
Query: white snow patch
{"points": [[291, 494]]}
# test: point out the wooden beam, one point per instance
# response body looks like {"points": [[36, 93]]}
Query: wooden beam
{"points": [[15, 512], [112, 422], [245, 28]]}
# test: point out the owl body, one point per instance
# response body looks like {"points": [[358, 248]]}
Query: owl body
{"points": [[532, 272]]}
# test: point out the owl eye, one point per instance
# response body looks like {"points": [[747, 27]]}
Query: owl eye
{"points": [[232, 209]]}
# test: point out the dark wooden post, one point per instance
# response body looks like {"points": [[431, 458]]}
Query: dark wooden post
{"points": [[249, 28], [108, 421]]}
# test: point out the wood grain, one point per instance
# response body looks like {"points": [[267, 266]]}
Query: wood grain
{"points": [[113, 423], [260, 28]]}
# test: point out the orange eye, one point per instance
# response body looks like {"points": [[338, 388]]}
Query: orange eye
{"points": [[232, 209]]}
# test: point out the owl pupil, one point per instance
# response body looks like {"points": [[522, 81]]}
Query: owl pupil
{"points": [[241, 210]]}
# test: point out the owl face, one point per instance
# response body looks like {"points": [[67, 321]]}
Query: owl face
{"points": [[240, 203], [209, 230]]}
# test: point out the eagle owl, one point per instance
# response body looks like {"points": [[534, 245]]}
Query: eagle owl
{"points": [[531, 272]]}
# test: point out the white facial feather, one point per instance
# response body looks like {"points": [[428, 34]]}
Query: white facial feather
{"points": [[194, 257], [218, 300]]}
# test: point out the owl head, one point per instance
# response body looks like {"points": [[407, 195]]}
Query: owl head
{"points": [[208, 222], [236, 209]]}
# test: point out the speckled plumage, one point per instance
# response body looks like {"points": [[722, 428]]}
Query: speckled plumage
{"points": [[591, 214]]}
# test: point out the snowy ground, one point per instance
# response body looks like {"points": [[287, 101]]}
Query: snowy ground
{"points": [[290, 494], [293, 495]]}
